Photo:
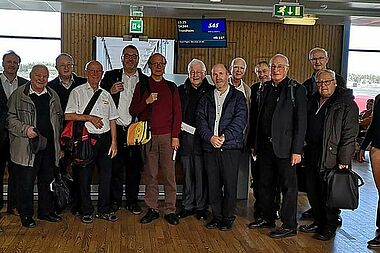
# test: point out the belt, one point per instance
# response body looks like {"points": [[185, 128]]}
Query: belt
{"points": [[122, 128], [99, 136]]}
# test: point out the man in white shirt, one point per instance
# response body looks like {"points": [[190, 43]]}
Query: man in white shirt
{"points": [[127, 164], [9, 82], [101, 125]]}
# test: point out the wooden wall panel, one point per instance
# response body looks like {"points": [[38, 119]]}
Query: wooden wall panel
{"points": [[251, 40]]}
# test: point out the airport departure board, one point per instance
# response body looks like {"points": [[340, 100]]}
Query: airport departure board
{"points": [[202, 33]]}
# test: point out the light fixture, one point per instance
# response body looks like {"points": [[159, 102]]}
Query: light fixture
{"points": [[215, 1], [306, 20]]}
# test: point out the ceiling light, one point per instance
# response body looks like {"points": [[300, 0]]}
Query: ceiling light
{"points": [[215, 1], [306, 20]]}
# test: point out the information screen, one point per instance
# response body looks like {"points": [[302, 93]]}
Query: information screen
{"points": [[202, 32]]}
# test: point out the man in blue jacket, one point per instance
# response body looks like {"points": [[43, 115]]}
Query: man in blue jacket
{"points": [[278, 142], [221, 119]]}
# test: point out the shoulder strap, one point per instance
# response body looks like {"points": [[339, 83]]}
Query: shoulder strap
{"points": [[292, 84], [92, 101]]}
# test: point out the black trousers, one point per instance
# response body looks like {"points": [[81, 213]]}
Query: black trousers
{"points": [[316, 191], [43, 169], [126, 167], [277, 172], [103, 163], [195, 188], [222, 168], [5, 161]]}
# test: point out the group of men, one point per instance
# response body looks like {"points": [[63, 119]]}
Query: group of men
{"points": [[212, 127]]}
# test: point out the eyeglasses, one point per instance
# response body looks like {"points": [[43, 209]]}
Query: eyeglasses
{"points": [[195, 73], [317, 59], [93, 71], [131, 56], [277, 66], [64, 66], [324, 82], [158, 64]]}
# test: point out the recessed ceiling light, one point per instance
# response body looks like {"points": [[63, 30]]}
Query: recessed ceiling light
{"points": [[216, 1]]}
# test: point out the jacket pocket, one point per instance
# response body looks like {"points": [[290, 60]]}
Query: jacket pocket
{"points": [[331, 155]]}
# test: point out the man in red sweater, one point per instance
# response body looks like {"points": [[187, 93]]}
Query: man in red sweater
{"points": [[157, 100]]}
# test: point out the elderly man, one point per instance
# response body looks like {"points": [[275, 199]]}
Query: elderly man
{"points": [[262, 72], [194, 197], [127, 164], [319, 58], [34, 124], [279, 139], [9, 81], [221, 118], [330, 143], [101, 125], [157, 100]]}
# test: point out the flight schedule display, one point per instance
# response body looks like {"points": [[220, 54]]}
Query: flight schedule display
{"points": [[202, 33]]}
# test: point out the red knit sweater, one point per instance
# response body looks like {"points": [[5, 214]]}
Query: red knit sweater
{"points": [[166, 116]]}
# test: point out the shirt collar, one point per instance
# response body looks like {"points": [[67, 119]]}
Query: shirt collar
{"points": [[70, 82], [31, 91], [5, 79], [224, 93], [136, 74]]}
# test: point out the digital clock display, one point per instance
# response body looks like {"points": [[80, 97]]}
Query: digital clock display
{"points": [[202, 33]]}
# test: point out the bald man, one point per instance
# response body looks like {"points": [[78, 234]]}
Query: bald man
{"points": [[101, 125], [279, 139], [221, 119], [35, 114]]}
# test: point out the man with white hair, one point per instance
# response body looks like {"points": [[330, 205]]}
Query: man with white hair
{"points": [[194, 198], [279, 139]]}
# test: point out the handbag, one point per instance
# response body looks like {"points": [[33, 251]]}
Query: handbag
{"points": [[76, 139], [61, 188], [139, 133], [343, 189]]}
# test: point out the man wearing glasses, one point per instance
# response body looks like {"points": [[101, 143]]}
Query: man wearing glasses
{"points": [[319, 58], [330, 143], [127, 164], [279, 140], [157, 100]]}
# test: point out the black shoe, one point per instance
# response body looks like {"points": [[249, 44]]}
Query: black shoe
{"points": [[261, 223], [201, 214], [149, 216], [282, 233], [339, 221], [226, 225], [51, 217], [310, 228], [87, 219], [107, 216], [28, 222], [325, 235], [134, 208], [184, 213], [172, 218], [308, 214], [76, 211], [213, 224], [375, 242]]}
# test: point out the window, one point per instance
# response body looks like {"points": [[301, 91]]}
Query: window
{"points": [[34, 35], [363, 72]]}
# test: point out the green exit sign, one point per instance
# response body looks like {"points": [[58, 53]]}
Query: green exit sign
{"points": [[288, 10], [136, 26]]}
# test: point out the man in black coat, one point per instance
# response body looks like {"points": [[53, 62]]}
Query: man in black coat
{"points": [[127, 163], [330, 143], [194, 197], [279, 139], [9, 81], [63, 84], [221, 119]]}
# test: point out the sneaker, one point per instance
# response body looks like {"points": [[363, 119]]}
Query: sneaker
{"points": [[172, 218], [134, 208], [374, 243], [107, 216], [87, 219], [150, 216]]}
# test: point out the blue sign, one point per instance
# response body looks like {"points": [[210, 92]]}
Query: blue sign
{"points": [[202, 33]]}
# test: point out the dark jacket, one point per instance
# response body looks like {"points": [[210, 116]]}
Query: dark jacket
{"points": [[116, 75], [373, 133], [64, 93], [256, 90], [311, 88], [191, 144], [341, 127], [4, 101], [289, 120], [232, 122]]}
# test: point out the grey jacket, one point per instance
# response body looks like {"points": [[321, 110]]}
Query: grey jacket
{"points": [[21, 116]]}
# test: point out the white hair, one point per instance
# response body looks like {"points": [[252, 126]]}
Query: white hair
{"points": [[196, 62], [317, 49], [282, 56], [233, 63]]}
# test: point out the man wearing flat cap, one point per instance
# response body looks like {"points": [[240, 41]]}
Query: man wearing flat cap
{"points": [[34, 123]]}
